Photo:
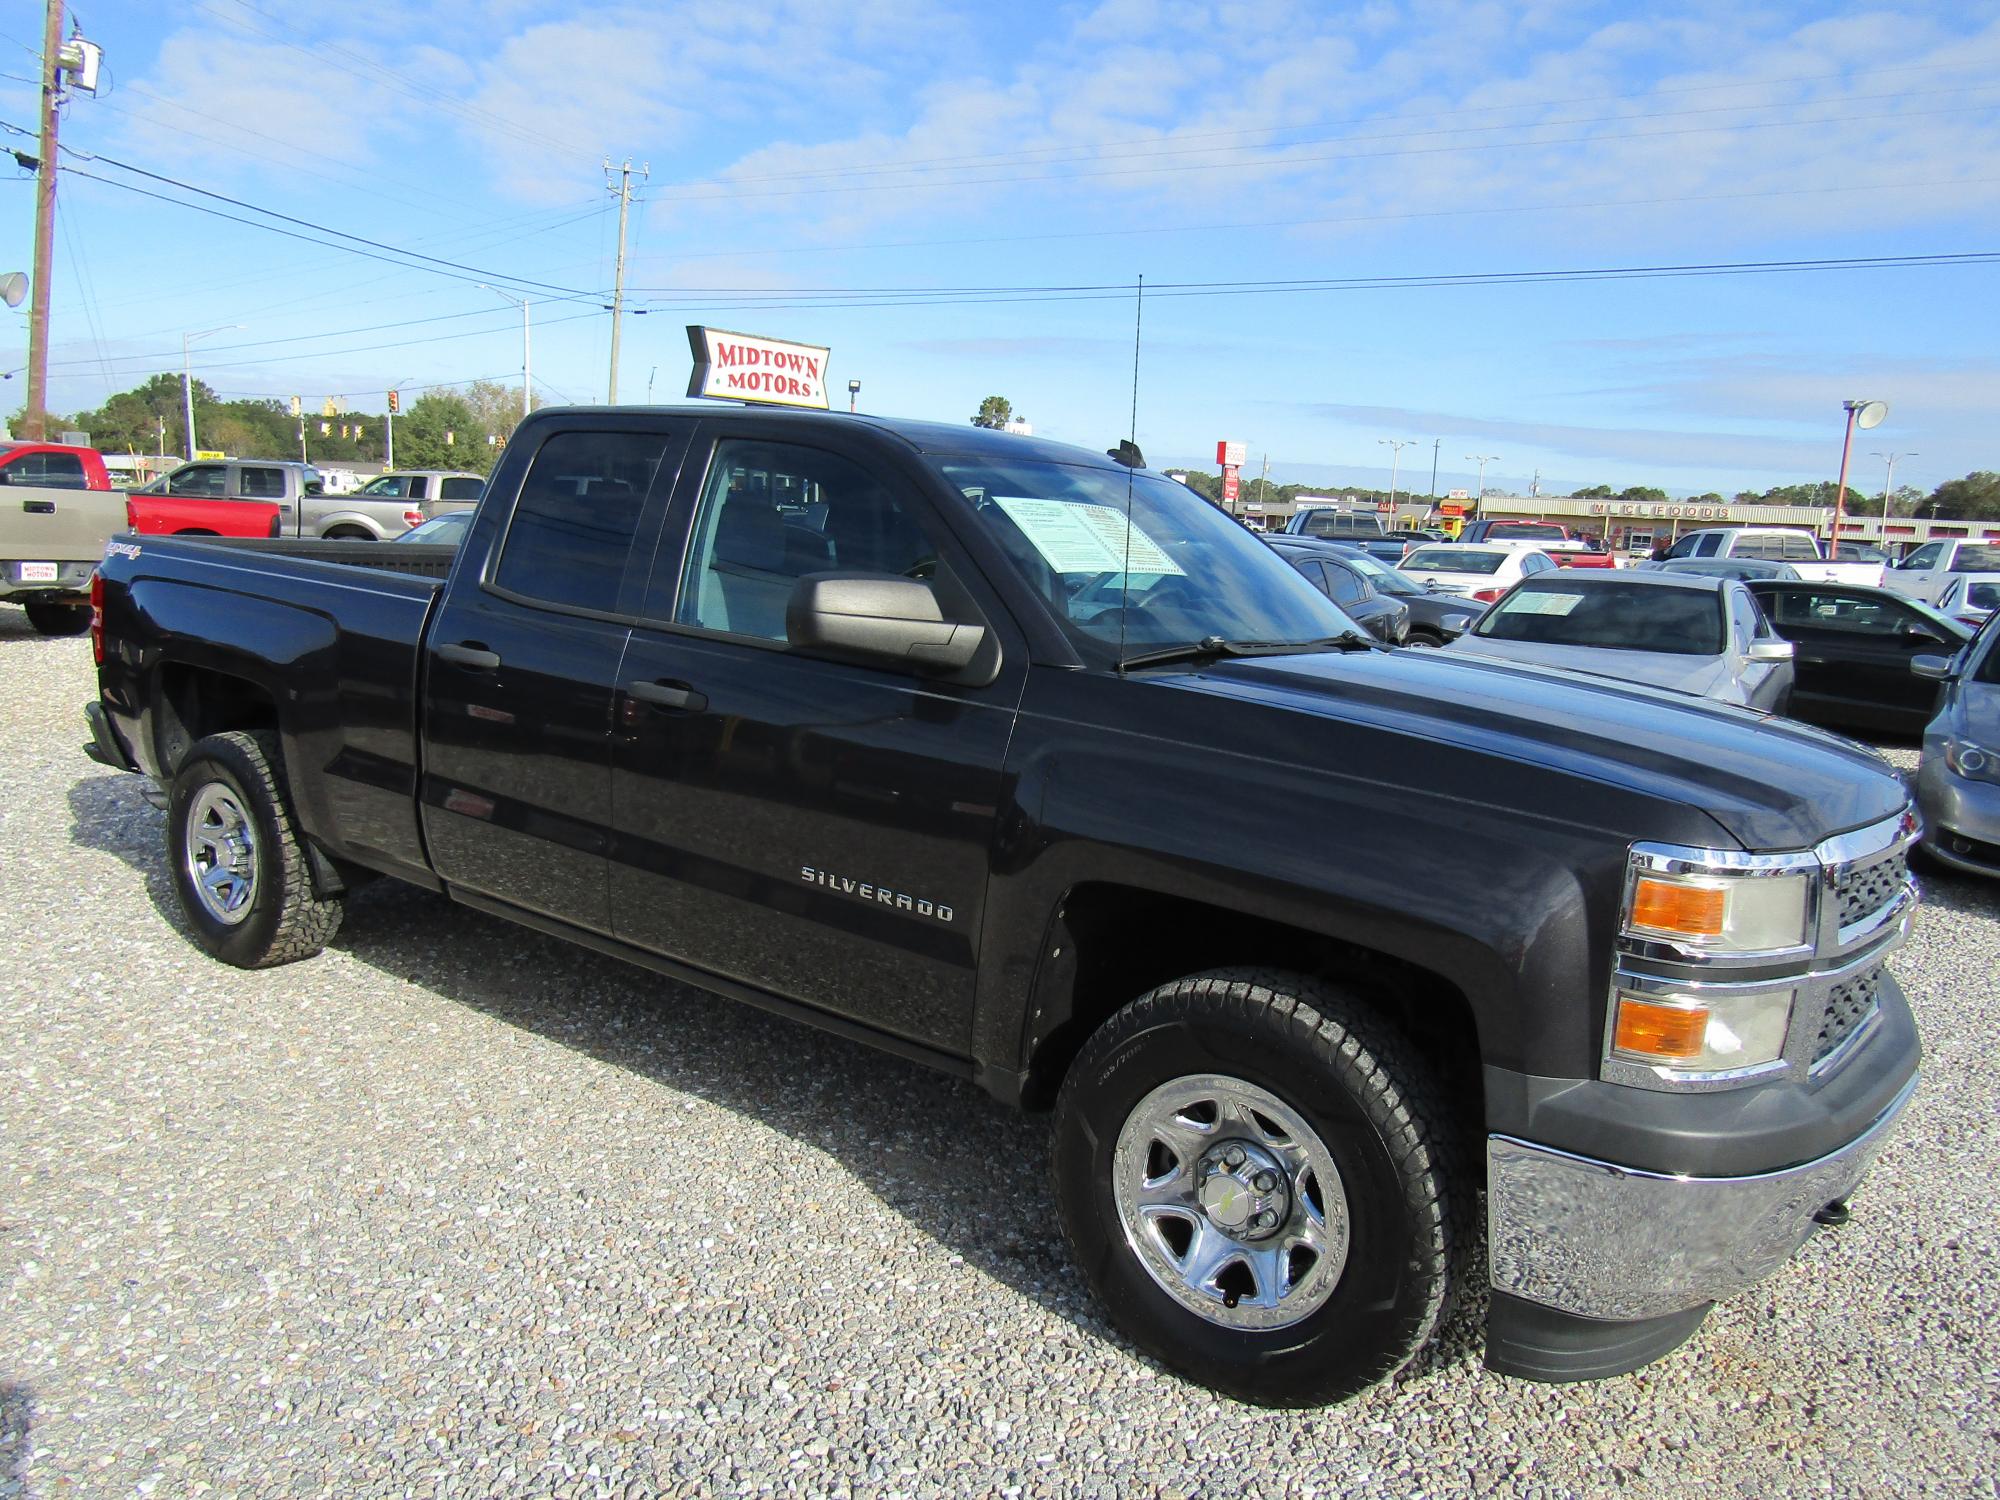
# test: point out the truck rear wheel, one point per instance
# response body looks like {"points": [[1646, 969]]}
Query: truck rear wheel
{"points": [[238, 865], [1252, 1172], [51, 618]]}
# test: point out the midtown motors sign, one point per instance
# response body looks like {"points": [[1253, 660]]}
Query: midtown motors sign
{"points": [[745, 367]]}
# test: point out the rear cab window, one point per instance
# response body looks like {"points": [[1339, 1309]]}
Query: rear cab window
{"points": [[573, 526]]}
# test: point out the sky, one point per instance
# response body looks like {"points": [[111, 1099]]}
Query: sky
{"points": [[959, 201]]}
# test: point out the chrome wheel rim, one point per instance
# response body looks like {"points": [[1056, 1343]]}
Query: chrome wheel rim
{"points": [[1231, 1202], [221, 853]]}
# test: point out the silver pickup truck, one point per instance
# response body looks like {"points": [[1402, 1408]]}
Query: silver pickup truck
{"points": [[50, 541], [307, 510]]}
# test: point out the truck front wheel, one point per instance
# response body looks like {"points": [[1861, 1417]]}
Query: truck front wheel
{"points": [[238, 865], [1252, 1172]]}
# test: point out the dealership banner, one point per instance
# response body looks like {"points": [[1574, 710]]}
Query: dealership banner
{"points": [[748, 367]]}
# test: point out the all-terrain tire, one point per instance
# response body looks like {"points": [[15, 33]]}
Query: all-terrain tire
{"points": [[1374, 1103], [238, 865]]}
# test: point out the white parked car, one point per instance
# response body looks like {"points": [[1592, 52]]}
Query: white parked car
{"points": [[1800, 549], [1686, 631], [1970, 598], [1927, 572], [1483, 572]]}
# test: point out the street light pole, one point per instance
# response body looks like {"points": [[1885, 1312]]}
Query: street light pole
{"points": [[1436, 443], [853, 396], [1396, 447], [187, 378], [1889, 483], [1482, 459], [1863, 414]]}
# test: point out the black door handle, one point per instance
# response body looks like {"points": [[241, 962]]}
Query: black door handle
{"points": [[471, 655], [669, 695], [39, 507]]}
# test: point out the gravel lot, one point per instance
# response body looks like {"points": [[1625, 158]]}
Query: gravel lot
{"points": [[458, 1210]]}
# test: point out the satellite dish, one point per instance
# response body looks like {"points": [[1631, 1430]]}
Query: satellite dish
{"points": [[1871, 414], [13, 287]]}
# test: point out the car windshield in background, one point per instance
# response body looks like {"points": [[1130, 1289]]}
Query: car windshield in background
{"points": [[1614, 616], [1453, 560], [1195, 574]]}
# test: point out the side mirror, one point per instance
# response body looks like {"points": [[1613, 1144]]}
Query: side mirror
{"points": [[1771, 651], [1938, 668], [881, 619]]}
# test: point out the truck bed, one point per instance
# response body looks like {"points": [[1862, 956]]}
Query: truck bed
{"points": [[413, 559]]}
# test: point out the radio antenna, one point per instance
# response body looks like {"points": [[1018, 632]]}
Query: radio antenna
{"points": [[1128, 455]]}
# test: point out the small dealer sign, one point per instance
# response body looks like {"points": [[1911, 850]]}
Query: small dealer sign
{"points": [[745, 367]]}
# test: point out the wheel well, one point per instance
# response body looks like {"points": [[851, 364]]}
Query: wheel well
{"points": [[1111, 944], [196, 531], [196, 701], [350, 534]]}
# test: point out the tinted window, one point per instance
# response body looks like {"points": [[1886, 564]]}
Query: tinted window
{"points": [[1983, 595], [770, 514], [1616, 616], [1343, 586], [460, 489], [1335, 523], [63, 471], [388, 487], [1707, 544], [262, 484], [1977, 557], [1535, 562], [1517, 531], [196, 479], [1925, 556], [575, 520], [1837, 613], [1799, 547], [1758, 546], [311, 481], [1685, 547]]}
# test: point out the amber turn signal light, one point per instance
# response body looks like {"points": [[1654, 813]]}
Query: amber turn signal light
{"points": [[1663, 1033], [1669, 906]]}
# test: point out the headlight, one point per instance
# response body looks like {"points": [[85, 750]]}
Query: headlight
{"points": [[1964, 758], [1718, 911], [1693, 1034]]}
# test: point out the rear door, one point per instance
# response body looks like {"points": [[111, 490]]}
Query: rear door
{"points": [[520, 663], [816, 829]]}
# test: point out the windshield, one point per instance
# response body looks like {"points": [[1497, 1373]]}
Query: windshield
{"points": [[1453, 560], [1194, 572], [1615, 616], [1385, 578]]}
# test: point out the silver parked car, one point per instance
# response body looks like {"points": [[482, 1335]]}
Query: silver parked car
{"points": [[1958, 781], [437, 492], [1685, 631]]}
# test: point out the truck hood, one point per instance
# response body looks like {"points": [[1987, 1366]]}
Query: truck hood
{"points": [[1771, 783]]}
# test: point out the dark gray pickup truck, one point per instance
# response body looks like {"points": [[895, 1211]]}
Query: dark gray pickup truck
{"points": [[1028, 764]]}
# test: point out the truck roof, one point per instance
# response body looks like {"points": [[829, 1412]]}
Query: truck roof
{"points": [[934, 438]]}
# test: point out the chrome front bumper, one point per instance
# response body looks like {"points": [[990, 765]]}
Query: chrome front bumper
{"points": [[1598, 1240]]}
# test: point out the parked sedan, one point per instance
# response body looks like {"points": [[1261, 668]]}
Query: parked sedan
{"points": [[1970, 598], [1338, 575], [1855, 649], [1958, 781], [1435, 618], [1671, 630], [1476, 572]]}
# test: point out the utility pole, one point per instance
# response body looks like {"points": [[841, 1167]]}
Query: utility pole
{"points": [[1889, 484], [1436, 443], [624, 192], [34, 424], [1264, 489]]}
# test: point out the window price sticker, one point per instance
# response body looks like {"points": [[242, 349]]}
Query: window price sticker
{"points": [[1078, 538]]}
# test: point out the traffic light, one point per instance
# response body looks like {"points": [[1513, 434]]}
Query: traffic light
{"points": [[395, 402]]}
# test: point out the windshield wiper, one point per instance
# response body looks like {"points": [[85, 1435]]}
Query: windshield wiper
{"points": [[1209, 647]]}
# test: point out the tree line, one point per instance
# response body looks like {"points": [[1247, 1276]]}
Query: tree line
{"points": [[463, 428]]}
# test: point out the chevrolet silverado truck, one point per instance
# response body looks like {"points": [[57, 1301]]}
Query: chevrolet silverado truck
{"points": [[1025, 763], [1800, 549]]}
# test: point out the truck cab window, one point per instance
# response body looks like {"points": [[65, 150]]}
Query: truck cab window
{"points": [[770, 514], [63, 471], [197, 479], [573, 526], [262, 484]]}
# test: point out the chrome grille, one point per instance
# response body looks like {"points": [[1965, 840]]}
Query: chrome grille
{"points": [[1860, 891], [1848, 1004]]}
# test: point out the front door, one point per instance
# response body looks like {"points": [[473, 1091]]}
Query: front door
{"points": [[816, 829], [519, 668], [1854, 648]]}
